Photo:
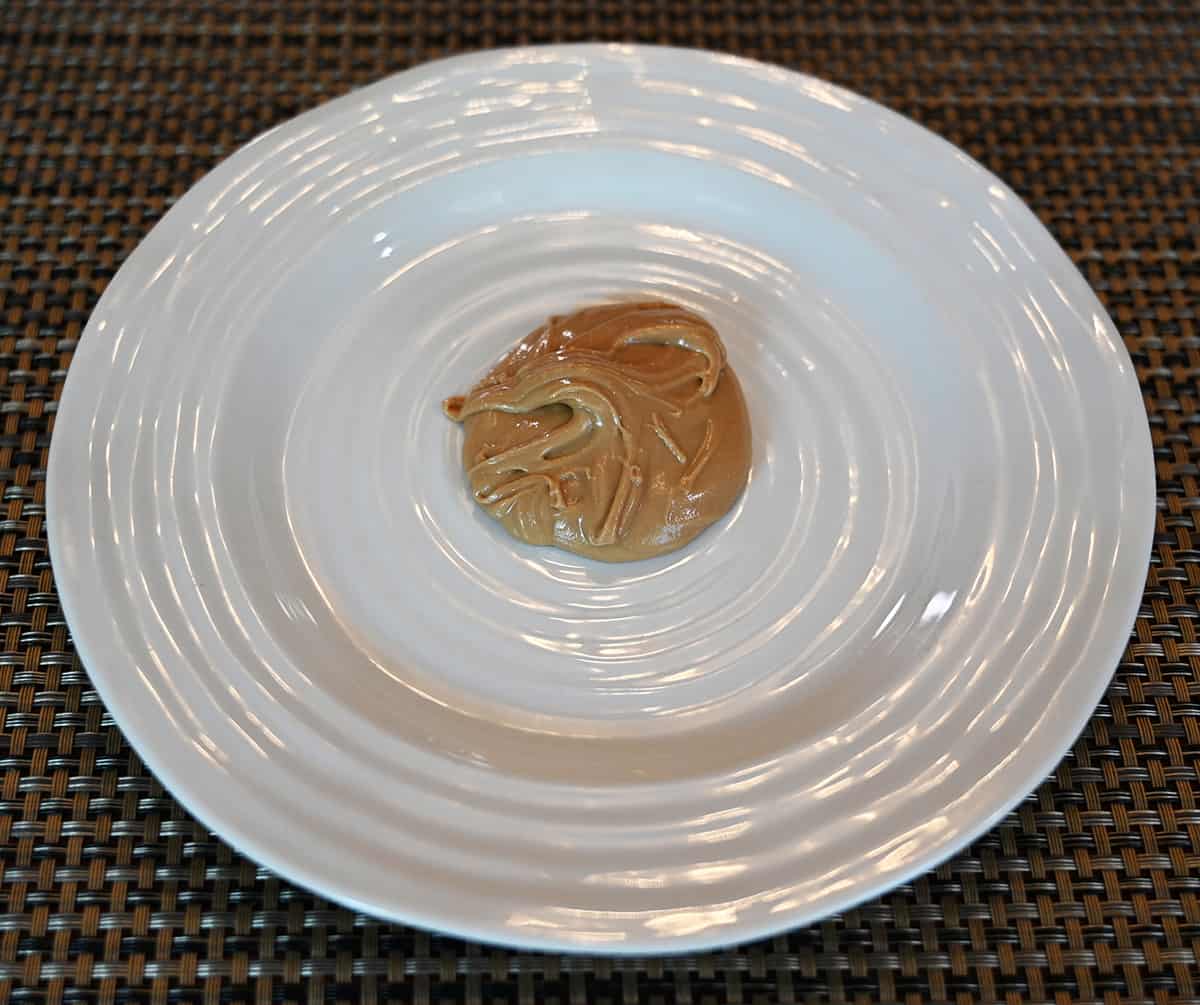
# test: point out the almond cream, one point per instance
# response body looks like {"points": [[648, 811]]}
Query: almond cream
{"points": [[618, 432]]}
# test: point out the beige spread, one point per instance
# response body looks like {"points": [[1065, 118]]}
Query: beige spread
{"points": [[618, 432]]}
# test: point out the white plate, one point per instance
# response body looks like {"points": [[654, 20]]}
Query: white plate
{"points": [[279, 584]]}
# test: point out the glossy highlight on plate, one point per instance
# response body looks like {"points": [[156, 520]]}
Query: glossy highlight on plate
{"points": [[280, 583]]}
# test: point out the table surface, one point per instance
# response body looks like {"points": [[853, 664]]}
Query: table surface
{"points": [[111, 892]]}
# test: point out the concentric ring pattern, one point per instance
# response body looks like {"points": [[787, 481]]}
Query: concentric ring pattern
{"points": [[279, 583]]}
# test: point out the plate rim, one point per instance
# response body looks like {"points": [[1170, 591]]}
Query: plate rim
{"points": [[1137, 525]]}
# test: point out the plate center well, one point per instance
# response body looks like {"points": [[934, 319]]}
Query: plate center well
{"points": [[408, 583]]}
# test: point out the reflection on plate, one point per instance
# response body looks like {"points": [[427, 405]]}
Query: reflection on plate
{"points": [[278, 581]]}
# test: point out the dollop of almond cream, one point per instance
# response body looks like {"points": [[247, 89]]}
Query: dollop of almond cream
{"points": [[618, 432]]}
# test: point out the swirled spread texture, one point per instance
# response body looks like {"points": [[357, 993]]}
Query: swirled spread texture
{"points": [[618, 432]]}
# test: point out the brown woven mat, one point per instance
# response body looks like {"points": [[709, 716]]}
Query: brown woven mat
{"points": [[1090, 892]]}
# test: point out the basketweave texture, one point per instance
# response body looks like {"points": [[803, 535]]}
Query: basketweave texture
{"points": [[111, 892]]}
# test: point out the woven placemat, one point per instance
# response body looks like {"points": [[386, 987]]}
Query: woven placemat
{"points": [[112, 893]]}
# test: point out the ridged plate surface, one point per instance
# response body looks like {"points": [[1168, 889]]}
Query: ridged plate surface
{"points": [[279, 583]]}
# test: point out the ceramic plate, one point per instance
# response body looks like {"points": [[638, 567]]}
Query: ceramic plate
{"points": [[279, 584]]}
